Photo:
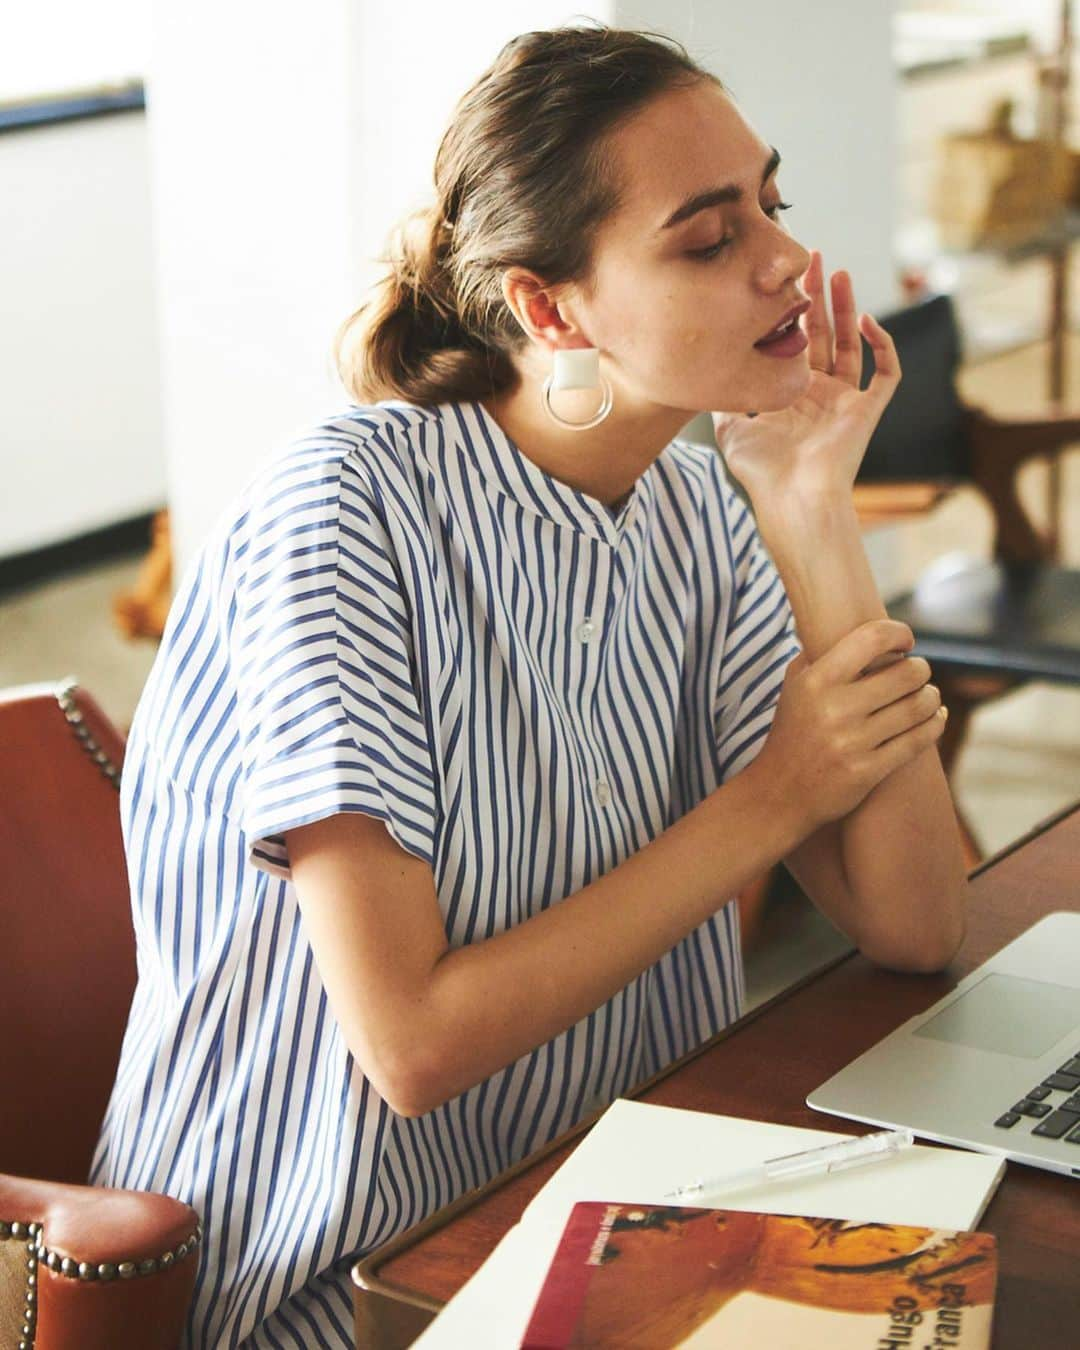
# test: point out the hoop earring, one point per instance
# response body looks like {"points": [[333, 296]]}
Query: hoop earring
{"points": [[577, 368]]}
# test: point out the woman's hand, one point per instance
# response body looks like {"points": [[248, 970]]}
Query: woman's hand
{"points": [[845, 722], [817, 443]]}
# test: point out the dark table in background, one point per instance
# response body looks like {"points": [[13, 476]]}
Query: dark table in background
{"points": [[762, 1068]]}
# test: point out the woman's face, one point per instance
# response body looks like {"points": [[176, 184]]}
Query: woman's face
{"points": [[678, 330]]}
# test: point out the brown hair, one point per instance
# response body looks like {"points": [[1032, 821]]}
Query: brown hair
{"points": [[521, 179]]}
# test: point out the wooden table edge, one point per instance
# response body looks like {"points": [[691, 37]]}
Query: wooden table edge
{"points": [[365, 1272]]}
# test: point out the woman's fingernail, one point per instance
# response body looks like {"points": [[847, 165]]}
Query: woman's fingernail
{"points": [[943, 713]]}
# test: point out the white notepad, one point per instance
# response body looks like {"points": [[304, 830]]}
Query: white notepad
{"points": [[638, 1152]]}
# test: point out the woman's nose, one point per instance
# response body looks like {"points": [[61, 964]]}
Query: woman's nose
{"points": [[787, 261]]}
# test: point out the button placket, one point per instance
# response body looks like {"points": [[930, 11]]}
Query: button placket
{"points": [[585, 632]]}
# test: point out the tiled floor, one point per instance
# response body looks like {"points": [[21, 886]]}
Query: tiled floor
{"points": [[64, 627]]}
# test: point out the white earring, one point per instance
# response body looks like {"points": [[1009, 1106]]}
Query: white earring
{"points": [[577, 368]]}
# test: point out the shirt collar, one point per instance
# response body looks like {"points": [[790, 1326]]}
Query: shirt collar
{"points": [[506, 470]]}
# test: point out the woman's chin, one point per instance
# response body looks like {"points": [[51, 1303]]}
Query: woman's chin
{"points": [[789, 385]]}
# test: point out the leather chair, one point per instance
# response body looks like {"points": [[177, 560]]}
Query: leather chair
{"points": [[985, 626], [80, 1266]]}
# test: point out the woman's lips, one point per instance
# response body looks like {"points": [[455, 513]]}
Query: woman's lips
{"points": [[791, 344]]}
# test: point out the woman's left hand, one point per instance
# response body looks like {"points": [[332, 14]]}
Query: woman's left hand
{"points": [[816, 444]]}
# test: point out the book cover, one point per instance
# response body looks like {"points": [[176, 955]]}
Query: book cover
{"points": [[654, 1276]]}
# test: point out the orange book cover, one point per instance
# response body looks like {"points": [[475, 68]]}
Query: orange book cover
{"points": [[653, 1276]]}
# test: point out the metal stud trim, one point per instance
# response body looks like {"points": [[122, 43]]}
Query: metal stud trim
{"points": [[65, 696], [30, 1233], [39, 1254]]}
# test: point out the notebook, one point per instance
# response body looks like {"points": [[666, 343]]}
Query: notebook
{"points": [[639, 1152], [994, 1065]]}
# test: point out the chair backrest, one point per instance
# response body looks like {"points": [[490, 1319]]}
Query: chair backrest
{"points": [[923, 431], [67, 947]]}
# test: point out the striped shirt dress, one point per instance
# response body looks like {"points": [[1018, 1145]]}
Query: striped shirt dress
{"points": [[403, 615]]}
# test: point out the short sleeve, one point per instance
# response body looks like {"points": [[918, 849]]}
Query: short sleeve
{"points": [[760, 644], [332, 717]]}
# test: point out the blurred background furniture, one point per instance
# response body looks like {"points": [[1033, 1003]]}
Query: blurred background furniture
{"points": [[985, 626], [80, 1266], [987, 101], [142, 611]]}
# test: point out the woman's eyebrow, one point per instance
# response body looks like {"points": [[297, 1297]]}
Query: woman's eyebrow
{"points": [[731, 192]]}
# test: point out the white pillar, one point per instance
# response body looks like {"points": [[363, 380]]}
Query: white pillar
{"points": [[816, 81], [287, 141]]}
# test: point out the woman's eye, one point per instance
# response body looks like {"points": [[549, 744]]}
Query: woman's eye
{"points": [[713, 249]]}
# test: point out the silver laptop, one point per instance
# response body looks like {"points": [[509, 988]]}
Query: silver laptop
{"points": [[993, 1066]]}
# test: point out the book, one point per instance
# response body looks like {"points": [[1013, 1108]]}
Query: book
{"points": [[642, 1151], [648, 1277]]}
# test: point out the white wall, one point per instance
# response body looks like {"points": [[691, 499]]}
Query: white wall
{"points": [[80, 417], [403, 95], [817, 82], [250, 179], [287, 147], [59, 46], [284, 151]]}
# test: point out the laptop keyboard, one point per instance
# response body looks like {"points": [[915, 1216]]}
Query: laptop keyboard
{"points": [[1054, 1119]]}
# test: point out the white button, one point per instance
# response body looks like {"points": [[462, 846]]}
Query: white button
{"points": [[586, 630], [603, 792]]}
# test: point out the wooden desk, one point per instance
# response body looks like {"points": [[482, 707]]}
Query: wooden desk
{"points": [[762, 1068]]}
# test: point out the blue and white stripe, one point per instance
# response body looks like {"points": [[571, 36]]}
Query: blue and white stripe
{"points": [[404, 616]]}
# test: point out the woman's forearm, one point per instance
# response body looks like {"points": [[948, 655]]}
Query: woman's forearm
{"points": [[901, 846], [488, 1003], [817, 546]]}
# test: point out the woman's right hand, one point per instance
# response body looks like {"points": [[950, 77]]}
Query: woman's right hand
{"points": [[849, 719]]}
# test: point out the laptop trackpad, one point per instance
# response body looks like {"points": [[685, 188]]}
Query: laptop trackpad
{"points": [[1010, 1015]]}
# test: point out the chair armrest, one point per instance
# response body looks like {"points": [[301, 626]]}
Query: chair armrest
{"points": [[890, 503], [1026, 436], [999, 447], [112, 1269]]}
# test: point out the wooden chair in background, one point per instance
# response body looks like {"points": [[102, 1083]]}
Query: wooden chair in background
{"points": [[987, 626], [141, 612]]}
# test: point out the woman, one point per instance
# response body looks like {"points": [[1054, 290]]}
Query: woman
{"points": [[482, 703]]}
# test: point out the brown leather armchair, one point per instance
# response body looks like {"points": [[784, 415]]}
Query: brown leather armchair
{"points": [[80, 1266]]}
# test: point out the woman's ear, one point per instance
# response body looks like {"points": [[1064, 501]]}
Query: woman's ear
{"points": [[538, 308]]}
